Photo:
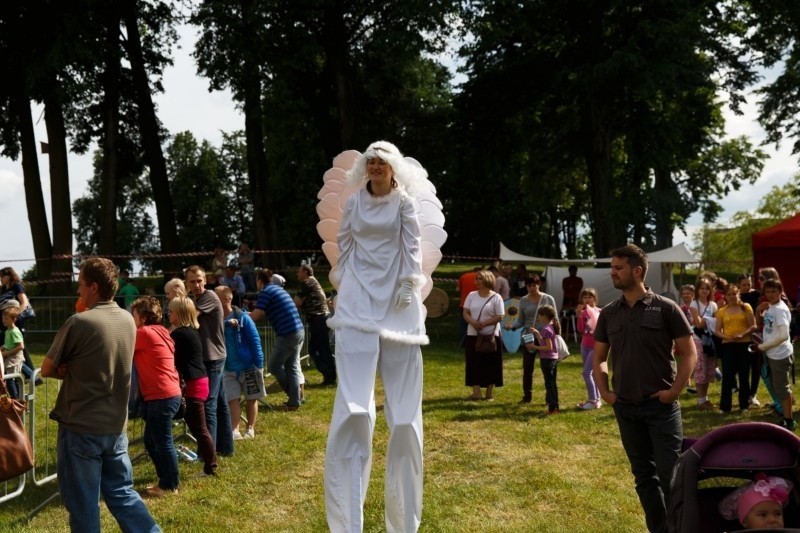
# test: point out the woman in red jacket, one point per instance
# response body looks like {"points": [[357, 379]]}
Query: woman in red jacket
{"points": [[159, 385]]}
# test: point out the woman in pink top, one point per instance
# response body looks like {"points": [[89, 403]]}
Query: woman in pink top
{"points": [[159, 385], [588, 312]]}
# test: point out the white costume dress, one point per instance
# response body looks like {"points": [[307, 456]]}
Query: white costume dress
{"points": [[379, 243]]}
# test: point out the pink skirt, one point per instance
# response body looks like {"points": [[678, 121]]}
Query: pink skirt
{"points": [[197, 388]]}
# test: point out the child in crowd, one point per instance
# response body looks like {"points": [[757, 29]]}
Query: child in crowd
{"points": [[244, 365], [758, 504], [12, 349], [588, 312], [548, 354], [703, 311], [777, 347], [687, 297]]}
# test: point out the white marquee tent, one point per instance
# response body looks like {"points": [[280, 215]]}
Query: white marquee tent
{"points": [[659, 273]]}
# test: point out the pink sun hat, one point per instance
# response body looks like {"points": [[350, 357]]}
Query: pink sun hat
{"points": [[738, 503]]}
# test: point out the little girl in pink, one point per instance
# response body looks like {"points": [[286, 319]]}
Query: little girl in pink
{"points": [[758, 504], [588, 312]]}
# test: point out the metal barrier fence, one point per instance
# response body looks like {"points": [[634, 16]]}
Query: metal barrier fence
{"points": [[41, 399]]}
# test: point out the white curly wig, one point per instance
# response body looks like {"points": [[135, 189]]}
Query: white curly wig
{"points": [[409, 174]]}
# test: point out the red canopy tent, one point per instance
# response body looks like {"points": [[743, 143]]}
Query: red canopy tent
{"points": [[779, 246]]}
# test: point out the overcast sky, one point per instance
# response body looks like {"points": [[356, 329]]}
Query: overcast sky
{"points": [[186, 104]]}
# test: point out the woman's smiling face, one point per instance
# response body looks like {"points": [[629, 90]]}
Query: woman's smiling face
{"points": [[378, 169]]}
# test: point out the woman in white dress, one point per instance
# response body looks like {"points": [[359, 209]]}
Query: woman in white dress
{"points": [[379, 325]]}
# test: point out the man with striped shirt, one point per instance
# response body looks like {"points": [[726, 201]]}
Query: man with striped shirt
{"points": [[275, 304]]}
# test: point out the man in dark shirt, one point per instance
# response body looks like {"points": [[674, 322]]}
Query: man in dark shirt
{"points": [[312, 301], [640, 329]]}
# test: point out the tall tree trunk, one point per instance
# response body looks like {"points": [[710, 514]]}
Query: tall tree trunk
{"points": [[34, 198], [111, 94], [597, 153], [60, 205], [151, 138], [264, 225], [663, 207], [569, 230], [335, 44]]}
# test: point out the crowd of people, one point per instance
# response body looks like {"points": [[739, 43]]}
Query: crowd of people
{"points": [[537, 319], [118, 359], [717, 331], [210, 357], [727, 321], [743, 338], [196, 357]]}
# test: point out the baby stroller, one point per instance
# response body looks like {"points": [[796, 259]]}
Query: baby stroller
{"points": [[714, 465]]}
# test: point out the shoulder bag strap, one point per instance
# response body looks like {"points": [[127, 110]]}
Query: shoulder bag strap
{"points": [[484, 305]]}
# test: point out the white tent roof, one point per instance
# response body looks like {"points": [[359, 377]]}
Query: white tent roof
{"points": [[659, 275], [509, 256], [676, 254]]}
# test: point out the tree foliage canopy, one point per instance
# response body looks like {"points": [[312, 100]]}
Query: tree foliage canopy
{"points": [[578, 126]]}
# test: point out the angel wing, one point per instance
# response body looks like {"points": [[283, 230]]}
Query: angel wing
{"points": [[334, 194]]}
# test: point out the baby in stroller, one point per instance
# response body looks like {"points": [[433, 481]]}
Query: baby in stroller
{"points": [[758, 504], [711, 469]]}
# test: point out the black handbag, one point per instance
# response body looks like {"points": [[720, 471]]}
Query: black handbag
{"points": [[486, 343]]}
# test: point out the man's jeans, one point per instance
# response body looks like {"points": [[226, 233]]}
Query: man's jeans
{"points": [[652, 435], [283, 364], [320, 348], [218, 414], [158, 415], [89, 465]]}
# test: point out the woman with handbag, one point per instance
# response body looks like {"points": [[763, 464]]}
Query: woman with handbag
{"points": [[159, 384], [702, 310], [483, 311]]}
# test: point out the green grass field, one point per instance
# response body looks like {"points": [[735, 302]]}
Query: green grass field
{"points": [[497, 466]]}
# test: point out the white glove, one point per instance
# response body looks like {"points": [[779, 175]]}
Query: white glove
{"points": [[404, 295]]}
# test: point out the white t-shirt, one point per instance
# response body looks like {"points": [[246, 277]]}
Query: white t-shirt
{"points": [[494, 308], [777, 315], [705, 312]]}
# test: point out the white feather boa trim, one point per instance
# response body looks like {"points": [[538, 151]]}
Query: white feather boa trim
{"points": [[400, 337]]}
